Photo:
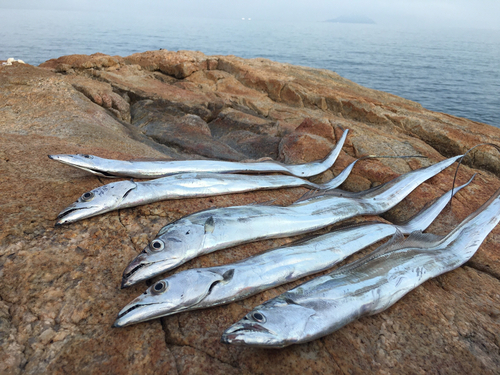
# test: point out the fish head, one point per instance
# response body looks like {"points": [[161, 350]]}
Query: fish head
{"points": [[175, 244], [179, 292], [90, 163], [99, 200], [277, 323]]}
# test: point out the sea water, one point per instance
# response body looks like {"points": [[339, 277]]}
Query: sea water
{"points": [[456, 71]]}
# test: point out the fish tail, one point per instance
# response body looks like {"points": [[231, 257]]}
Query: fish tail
{"points": [[386, 196], [474, 229], [312, 169], [428, 214], [342, 176]]}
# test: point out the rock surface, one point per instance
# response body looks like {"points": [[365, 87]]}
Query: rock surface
{"points": [[61, 286]]}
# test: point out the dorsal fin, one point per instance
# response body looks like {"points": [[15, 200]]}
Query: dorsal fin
{"points": [[417, 239], [312, 194], [308, 195], [421, 240], [343, 226], [396, 240], [150, 159]]}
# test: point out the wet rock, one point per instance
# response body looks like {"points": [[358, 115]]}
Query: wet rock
{"points": [[60, 286]]}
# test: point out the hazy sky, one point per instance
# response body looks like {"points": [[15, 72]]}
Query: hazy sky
{"points": [[423, 13]]}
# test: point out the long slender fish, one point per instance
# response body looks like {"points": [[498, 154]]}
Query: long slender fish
{"points": [[205, 287], [365, 287], [207, 231], [154, 169], [125, 194]]}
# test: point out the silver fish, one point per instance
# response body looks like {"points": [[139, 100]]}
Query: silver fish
{"points": [[154, 169], [365, 287], [205, 287], [125, 194], [207, 231]]}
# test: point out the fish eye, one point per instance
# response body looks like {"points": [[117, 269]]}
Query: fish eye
{"points": [[88, 196], [157, 245], [258, 317], [159, 287]]}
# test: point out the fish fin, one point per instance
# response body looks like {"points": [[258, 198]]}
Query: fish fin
{"points": [[151, 159], [228, 275], [311, 194], [343, 176], [265, 159], [421, 240], [308, 195], [415, 217], [417, 239], [395, 242], [209, 225], [415, 221], [342, 226]]}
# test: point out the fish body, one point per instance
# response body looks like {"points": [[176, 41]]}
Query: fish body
{"points": [[124, 194], [207, 231], [365, 287], [205, 287], [155, 169]]}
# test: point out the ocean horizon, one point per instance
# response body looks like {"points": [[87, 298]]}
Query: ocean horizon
{"points": [[449, 70]]}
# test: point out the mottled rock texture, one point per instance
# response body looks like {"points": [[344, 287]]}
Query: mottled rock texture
{"points": [[60, 290]]}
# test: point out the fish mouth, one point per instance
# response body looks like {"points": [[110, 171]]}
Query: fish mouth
{"points": [[153, 268], [233, 334], [121, 314], [100, 173], [70, 215], [120, 322], [132, 269], [126, 280]]}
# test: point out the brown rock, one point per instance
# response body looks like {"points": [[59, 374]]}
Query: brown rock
{"points": [[60, 286], [230, 120], [96, 61], [311, 140], [254, 146], [167, 124], [177, 64]]}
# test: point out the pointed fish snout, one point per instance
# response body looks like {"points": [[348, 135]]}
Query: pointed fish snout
{"points": [[240, 333], [125, 283], [131, 269], [60, 157]]}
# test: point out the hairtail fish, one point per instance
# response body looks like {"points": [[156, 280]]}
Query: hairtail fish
{"points": [[154, 169], [124, 194], [365, 287], [214, 229], [205, 287]]}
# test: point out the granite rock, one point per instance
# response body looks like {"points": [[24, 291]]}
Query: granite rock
{"points": [[61, 286]]}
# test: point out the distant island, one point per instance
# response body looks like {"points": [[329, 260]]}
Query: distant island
{"points": [[352, 19]]}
